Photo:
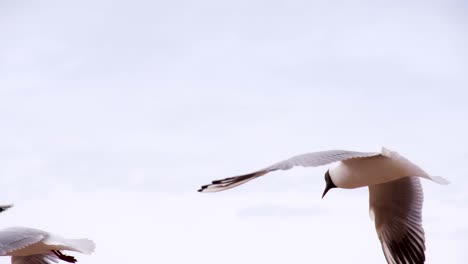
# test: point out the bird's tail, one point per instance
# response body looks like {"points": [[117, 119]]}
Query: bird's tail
{"points": [[82, 245], [440, 180], [228, 183]]}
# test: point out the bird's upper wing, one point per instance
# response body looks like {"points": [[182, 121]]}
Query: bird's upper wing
{"points": [[35, 259], [12, 239], [313, 159], [396, 208]]}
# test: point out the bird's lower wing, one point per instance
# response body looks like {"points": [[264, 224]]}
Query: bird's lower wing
{"points": [[396, 207], [35, 259], [313, 159]]}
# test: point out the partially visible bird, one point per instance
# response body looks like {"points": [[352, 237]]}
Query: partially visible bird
{"points": [[395, 193], [33, 246]]}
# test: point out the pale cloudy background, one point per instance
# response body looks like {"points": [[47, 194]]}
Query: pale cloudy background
{"points": [[113, 113]]}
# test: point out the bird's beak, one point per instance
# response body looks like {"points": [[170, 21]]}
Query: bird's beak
{"points": [[329, 183], [327, 188]]}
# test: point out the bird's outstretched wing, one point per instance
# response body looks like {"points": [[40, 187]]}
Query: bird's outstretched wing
{"points": [[313, 159], [396, 208]]}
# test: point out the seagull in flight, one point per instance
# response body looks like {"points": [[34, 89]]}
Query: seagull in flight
{"points": [[395, 193], [32, 246]]}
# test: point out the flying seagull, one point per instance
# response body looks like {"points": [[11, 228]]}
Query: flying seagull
{"points": [[395, 193], [33, 246]]}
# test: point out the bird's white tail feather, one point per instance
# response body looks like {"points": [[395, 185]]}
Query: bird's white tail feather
{"points": [[83, 245], [440, 180]]}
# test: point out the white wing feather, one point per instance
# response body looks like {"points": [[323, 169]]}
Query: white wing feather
{"points": [[12, 239], [320, 158]]}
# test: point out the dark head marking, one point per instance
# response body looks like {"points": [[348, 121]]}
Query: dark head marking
{"points": [[329, 184]]}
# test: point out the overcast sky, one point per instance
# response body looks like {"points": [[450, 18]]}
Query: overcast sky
{"points": [[113, 113]]}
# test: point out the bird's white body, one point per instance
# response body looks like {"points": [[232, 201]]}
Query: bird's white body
{"points": [[355, 173]]}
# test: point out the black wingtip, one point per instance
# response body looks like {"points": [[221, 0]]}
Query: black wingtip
{"points": [[5, 207], [202, 188], [228, 183]]}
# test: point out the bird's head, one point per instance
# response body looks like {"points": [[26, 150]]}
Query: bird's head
{"points": [[329, 183]]}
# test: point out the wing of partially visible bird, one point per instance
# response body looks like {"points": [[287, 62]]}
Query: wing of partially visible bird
{"points": [[313, 159], [35, 259], [396, 208], [5, 207]]}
